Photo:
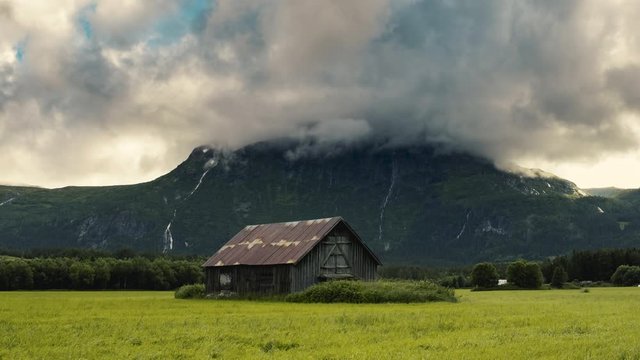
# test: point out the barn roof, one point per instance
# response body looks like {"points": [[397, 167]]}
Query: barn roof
{"points": [[273, 244]]}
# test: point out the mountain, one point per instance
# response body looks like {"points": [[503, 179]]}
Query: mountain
{"points": [[412, 205]]}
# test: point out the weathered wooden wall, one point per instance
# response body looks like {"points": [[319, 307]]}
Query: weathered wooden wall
{"points": [[264, 279], [359, 263]]}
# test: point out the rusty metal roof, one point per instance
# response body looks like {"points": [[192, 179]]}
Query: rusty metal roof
{"points": [[272, 244]]}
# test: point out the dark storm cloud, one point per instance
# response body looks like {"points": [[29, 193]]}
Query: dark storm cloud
{"points": [[497, 78], [626, 82], [502, 79]]}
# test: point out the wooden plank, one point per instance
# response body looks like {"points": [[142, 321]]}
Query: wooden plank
{"points": [[329, 255], [336, 267]]}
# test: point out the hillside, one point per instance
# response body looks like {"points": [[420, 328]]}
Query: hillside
{"points": [[412, 205]]}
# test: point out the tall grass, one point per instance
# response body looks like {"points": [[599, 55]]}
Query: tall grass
{"points": [[553, 324]]}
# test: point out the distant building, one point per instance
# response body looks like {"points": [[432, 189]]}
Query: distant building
{"points": [[502, 282], [289, 257]]}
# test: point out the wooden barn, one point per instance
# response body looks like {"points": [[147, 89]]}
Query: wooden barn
{"points": [[289, 257]]}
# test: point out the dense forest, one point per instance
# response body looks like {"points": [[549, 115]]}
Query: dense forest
{"points": [[592, 265], [96, 270]]}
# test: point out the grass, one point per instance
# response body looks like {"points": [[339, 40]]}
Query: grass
{"points": [[553, 324]]}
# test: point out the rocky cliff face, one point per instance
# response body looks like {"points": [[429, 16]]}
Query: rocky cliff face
{"points": [[411, 204]]}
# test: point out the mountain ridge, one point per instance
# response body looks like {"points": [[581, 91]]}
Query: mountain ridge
{"points": [[412, 204]]}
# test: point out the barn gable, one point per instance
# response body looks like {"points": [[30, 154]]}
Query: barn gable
{"points": [[288, 257]]}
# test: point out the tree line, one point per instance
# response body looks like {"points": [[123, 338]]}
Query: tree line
{"points": [[81, 269], [584, 265], [591, 265], [98, 273], [520, 274]]}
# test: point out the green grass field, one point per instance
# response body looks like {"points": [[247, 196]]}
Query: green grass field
{"points": [[557, 324]]}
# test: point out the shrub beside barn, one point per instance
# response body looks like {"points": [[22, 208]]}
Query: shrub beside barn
{"points": [[289, 257]]}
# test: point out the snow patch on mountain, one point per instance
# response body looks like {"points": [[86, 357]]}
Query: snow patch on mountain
{"points": [[487, 226]]}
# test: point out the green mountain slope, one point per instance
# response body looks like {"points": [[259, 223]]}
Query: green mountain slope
{"points": [[412, 205]]}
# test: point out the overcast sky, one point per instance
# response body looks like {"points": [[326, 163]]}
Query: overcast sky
{"points": [[112, 92]]}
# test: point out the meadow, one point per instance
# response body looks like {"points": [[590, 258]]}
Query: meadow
{"points": [[603, 323]]}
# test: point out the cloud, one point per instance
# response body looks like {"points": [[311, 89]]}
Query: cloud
{"points": [[329, 137], [6, 11], [124, 23], [104, 90], [626, 83]]}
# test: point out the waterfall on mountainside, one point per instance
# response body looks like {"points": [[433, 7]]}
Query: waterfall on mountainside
{"points": [[392, 182]]}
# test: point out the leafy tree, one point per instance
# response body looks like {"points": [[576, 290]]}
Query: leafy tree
{"points": [[142, 273], [4, 275], [121, 273], [516, 272], [188, 272], [617, 276], [22, 275], [82, 275], [484, 275], [453, 281], [17, 275], [526, 275], [164, 275], [626, 275], [632, 277], [102, 271], [559, 277]]}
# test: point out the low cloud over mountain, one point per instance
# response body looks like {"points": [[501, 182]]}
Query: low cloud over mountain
{"points": [[106, 92]]}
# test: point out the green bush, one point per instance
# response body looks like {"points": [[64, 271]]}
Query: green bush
{"points": [[570, 286], [626, 275], [330, 292], [193, 291], [373, 292], [484, 275]]}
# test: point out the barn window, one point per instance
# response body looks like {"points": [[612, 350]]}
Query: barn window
{"points": [[225, 281]]}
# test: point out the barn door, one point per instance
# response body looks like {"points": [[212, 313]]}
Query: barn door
{"points": [[336, 257], [265, 280]]}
